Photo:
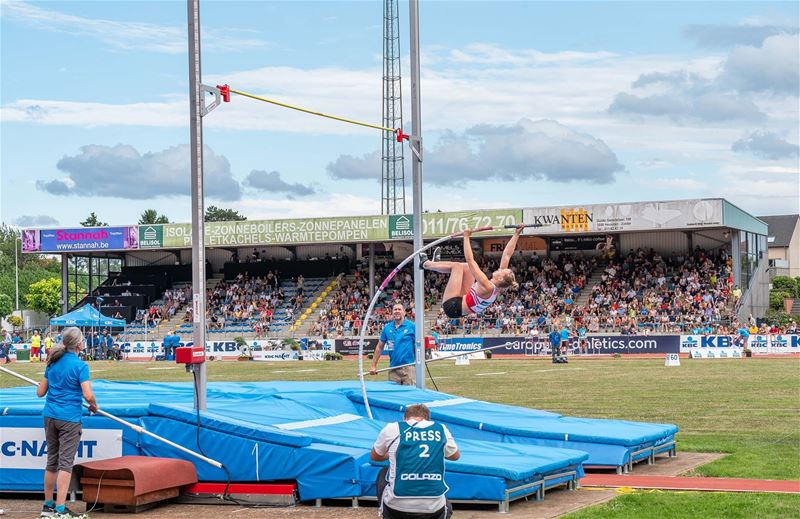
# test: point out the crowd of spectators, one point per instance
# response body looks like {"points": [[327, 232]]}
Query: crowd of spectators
{"points": [[641, 292], [244, 300], [342, 313], [644, 292]]}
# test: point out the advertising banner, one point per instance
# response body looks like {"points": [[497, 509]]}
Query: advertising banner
{"points": [[151, 236], [87, 239], [26, 447], [641, 216], [460, 344], [276, 355], [31, 240], [774, 344], [436, 225], [596, 344], [525, 243], [350, 346], [606, 244], [342, 229], [691, 343]]}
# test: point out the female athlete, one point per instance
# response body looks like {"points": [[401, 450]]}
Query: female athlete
{"points": [[469, 290]]}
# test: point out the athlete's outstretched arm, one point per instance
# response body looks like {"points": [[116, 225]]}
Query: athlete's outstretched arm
{"points": [[511, 247], [474, 268]]}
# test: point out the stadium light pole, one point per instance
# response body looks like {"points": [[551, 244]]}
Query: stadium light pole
{"points": [[197, 103], [416, 151]]}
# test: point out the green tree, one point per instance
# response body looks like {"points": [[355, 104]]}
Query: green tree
{"points": [[785, 284], [93, 221], [776, 298], [15, 321], [218, 214], [150, 216], [44, 296], [32, 267], [6, 306]]}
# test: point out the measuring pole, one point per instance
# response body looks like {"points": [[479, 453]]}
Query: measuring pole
{"points": [[196, 109], [416, 161]]}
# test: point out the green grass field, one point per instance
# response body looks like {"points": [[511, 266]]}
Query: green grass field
{"points": [[748, 409]]}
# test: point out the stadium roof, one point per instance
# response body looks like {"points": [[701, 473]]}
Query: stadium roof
{"points": [[781, 228]]}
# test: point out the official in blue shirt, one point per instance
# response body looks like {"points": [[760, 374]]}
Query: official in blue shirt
{"points": [[555, 342], [66, 383], [400, 336]]}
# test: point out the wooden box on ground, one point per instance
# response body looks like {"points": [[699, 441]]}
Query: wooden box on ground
{"points": [[134, 483]]}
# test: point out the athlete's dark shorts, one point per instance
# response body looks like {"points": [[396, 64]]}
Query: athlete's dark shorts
{"points": [[452, 307]]}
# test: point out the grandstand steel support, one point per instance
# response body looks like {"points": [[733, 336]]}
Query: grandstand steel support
{"points": [[415, 141], [197, 107]]}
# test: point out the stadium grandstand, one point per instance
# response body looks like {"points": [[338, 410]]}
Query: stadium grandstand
{"points": [[686, 266]]}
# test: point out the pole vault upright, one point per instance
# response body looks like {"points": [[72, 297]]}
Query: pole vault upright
{"points": [[416, 150], [196, 112]]}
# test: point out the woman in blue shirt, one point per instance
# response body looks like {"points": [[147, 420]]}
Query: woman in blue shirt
{"points": [[66, 383]]}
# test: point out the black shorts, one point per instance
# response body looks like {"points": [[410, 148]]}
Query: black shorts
{"points": [[452, 307]]}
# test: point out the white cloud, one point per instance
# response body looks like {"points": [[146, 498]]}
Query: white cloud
{"points": [[271, 182], [762, 189], [491, 54], [772, 67], [652, 164], [528, 149], [90, 115], [123, 172], [767, 145], [40, 220], [335, 204], [726, 36], [675, 183], [126, 35]]}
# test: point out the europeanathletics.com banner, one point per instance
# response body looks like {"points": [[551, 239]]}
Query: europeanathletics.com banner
{"points": [[595, 344]]}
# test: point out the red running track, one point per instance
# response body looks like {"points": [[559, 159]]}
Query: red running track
{"points": [[681, 483]]}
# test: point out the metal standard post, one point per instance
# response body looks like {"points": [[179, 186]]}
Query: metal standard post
{"points": [[416, 149], [197, 104]]}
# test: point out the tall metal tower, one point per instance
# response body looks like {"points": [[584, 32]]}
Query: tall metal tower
{"points": [[393, 187]]}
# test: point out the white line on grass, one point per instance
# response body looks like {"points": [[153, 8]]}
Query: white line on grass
{"points": [[553, 369], [170, 367], [293, 370], [493, 373]]}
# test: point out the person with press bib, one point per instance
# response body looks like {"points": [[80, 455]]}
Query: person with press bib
{"points": [[413, 485]]}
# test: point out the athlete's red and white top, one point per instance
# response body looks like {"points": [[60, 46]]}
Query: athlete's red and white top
{"points": [[476, 303]]}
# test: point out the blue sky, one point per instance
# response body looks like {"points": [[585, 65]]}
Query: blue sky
{"points": [[523, 104]]}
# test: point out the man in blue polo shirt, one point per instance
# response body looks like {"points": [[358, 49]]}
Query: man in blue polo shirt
{"points": [[399, 335], [555, 343]]}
